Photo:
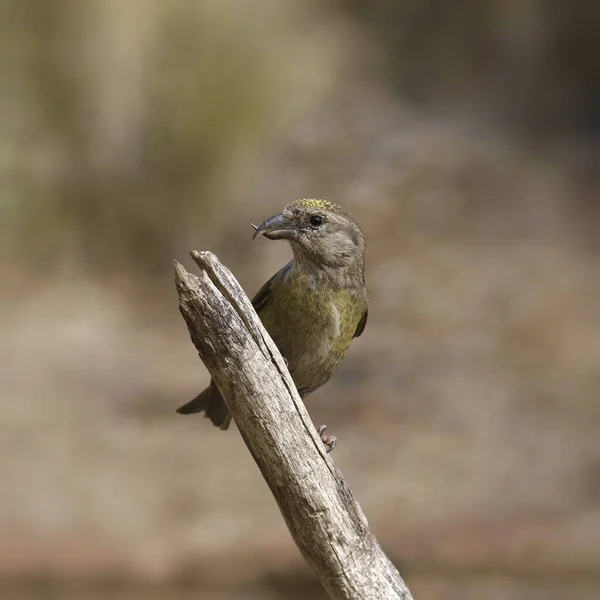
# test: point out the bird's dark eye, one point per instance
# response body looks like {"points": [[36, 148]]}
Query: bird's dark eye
{"points": [[316, 220]]}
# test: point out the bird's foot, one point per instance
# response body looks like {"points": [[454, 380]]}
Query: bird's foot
{"points": [[329, 441]]}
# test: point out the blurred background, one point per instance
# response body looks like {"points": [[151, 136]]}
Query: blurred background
{"points": [[463, 136]]}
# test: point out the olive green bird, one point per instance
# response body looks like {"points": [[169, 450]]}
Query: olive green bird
{"points": [[314, 306]]}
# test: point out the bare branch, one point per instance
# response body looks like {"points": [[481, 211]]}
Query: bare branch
{"points": [[325, 521]]}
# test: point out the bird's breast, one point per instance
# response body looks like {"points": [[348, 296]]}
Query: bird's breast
{"points": [[313, 328]]}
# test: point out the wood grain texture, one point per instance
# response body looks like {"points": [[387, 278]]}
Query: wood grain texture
{"points": [[325, 521]]}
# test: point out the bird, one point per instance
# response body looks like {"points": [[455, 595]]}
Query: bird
{"points": [[314, 306]]}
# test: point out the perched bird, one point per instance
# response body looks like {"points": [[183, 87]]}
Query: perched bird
{"points": [[314, 306]]}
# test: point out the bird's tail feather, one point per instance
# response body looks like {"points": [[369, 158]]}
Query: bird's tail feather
{"points": [[211, 403]]}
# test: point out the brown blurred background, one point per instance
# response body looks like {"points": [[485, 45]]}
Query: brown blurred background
{"points": [[464, 138]]}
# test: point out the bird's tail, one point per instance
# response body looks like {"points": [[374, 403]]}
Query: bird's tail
{"points": [[211, 403]]}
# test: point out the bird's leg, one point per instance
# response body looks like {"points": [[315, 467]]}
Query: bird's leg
{"points": [[329, 441]]}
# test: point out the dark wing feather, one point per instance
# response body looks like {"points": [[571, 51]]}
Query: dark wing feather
{"points": [[262, 296], [361, 324]]}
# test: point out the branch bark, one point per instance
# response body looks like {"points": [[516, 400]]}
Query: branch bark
{"points": [[325, 521]]}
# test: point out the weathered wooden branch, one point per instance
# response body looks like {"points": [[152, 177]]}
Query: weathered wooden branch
{"points": [[326, 522]]}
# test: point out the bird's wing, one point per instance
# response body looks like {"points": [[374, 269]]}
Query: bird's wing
{"points": [[262, 296], [361, 324]]}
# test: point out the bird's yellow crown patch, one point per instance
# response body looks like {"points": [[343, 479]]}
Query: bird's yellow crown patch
{"points": [[315, 203], [310, 204]]}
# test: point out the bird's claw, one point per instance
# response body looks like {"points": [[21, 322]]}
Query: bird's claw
{"points": [[329, 441]]}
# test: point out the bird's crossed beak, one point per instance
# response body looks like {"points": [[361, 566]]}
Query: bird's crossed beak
{"points": [[278, 227]]}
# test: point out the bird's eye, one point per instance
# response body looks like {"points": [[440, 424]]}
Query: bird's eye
{"points": [[316, 220]]}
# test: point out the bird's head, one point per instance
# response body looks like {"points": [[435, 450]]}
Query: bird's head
{"points": [[321, 234]]}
